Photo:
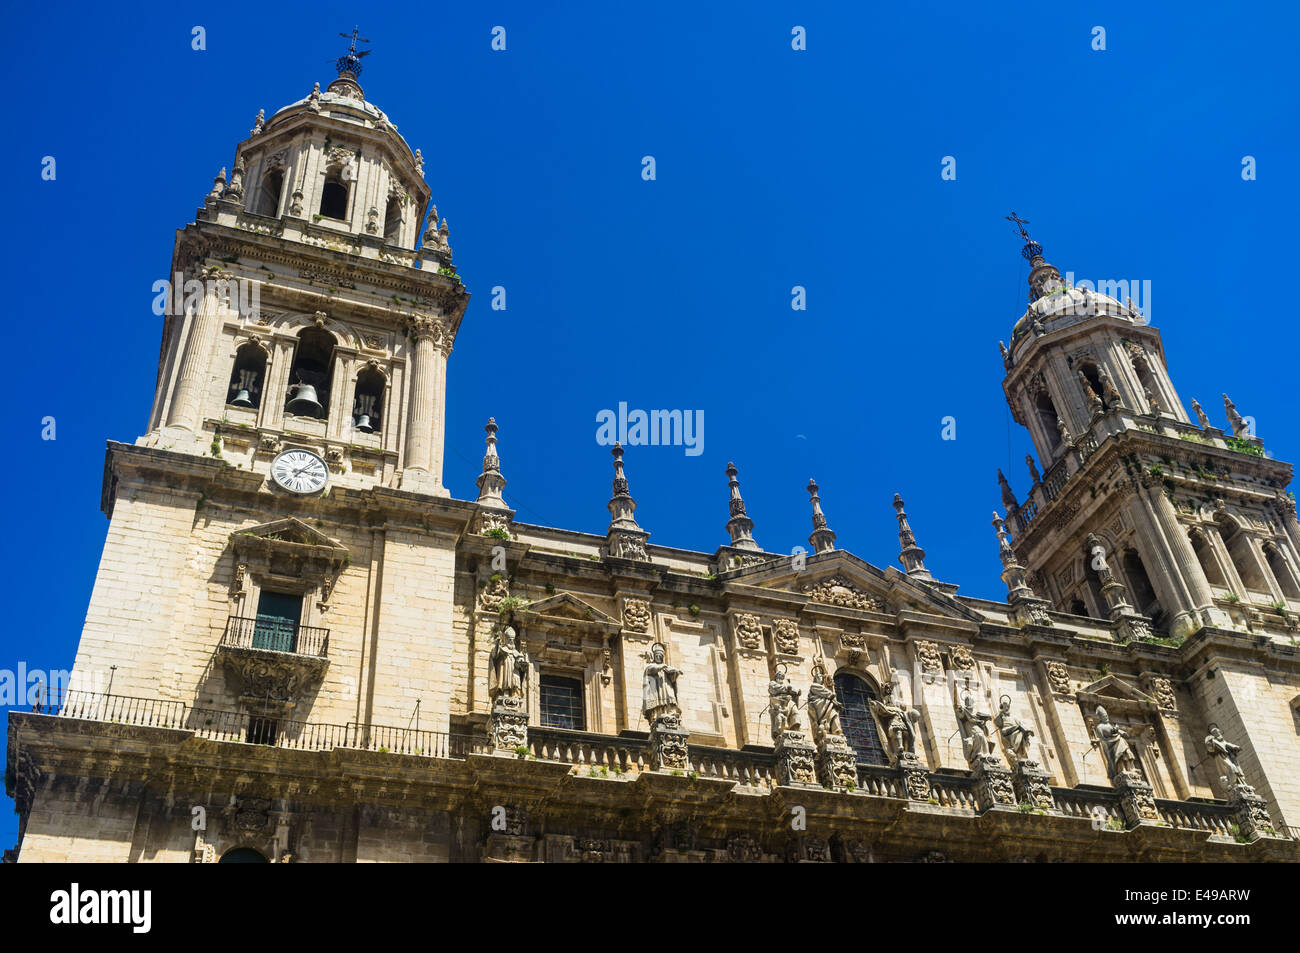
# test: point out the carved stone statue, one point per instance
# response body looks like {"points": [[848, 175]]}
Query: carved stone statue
{"points": [[1201, 416], [1114, 746], [1238, 422], [1016, 735], [509, 667], [896, 718], [782, 705], [974, 727], [824, 705], [1109, 394], [1224, 753], [659, 686], [1095, 405], [1064, 431]]}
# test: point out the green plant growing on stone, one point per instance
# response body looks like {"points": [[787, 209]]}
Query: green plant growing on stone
{"points": [[509, 604], [498, 533], [693, 609], [521, 751], [1114, 824]]}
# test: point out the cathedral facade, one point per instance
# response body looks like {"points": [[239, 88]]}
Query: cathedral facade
{"points": [[301, 647]]}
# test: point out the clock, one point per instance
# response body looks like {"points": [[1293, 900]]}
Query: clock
{"points": [[300, 471]]}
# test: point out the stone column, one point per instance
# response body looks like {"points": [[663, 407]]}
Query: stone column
{"points": [[192, 375], [1162, 568], [1202, 596], [424, 411]]}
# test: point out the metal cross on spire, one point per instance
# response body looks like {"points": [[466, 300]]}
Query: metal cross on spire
{"points": [[1020, 225], [350, 62], [1032, 250], [353, 49]]}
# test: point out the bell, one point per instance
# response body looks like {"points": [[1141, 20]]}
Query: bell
{"points": [[304, 403], [242, 399], [363, 423]]}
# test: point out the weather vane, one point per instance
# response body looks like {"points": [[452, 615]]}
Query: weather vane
{"points": [[350, 62]]}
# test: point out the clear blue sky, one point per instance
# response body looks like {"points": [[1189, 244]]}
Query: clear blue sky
{"points": [[775, 168]]}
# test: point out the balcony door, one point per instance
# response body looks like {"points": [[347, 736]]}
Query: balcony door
{"points": [[278, 617]]}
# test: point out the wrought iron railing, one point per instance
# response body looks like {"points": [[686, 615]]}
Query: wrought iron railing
{"points": [[621, 755], [275, 635], [246, 727]]}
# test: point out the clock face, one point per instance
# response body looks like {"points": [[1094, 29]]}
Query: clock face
{"points": [[300, 471]]}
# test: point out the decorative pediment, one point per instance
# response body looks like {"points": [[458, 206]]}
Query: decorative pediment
{"points": [[289, 549], [565, 610], [838, 590], [842, 580], [1114, 687], [1117, 696], [289, 535]]}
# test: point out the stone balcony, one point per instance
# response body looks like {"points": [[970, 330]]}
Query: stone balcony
{"points": [[273, 665]]}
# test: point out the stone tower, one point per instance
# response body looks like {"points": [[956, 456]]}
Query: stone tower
{"points": [[301, 311], [287, 496], [1139, 513]]}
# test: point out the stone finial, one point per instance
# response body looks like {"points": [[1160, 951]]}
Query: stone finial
{"points": [[1201, 416], [259, 123], [218, 185], [911, 555], [235, 190], [490, 482], [822, 538], [625, 538], [1239, 428], [419, 166], [1030, 608], [740, 527], [313, 101], [1008, 497], [1034, 475]]}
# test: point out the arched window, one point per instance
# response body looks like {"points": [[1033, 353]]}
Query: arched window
{"points": [[268, 199], [561, 702], [247, 376], [1239, 550], [1047, 417], [1208, 559], [1093, 375], [1139, 584], [243, 855], [1281, 571], [368, 408], [1146, 378], [393, 220], [859, 723], [309, 378], [334, 198], [1093, 580]]}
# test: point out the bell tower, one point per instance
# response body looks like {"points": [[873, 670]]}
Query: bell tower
{"points": [[1139, 514], [300, 312]]}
